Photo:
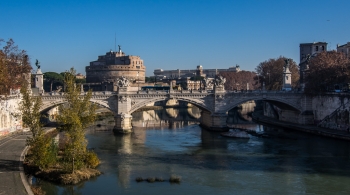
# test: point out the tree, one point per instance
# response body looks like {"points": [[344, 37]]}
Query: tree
{"points": [[52, 78], [76, 115], [42, 148], [196, 78], [81, 81], [326, 70], [150, 79], [271, 73], [14, 63], [239, 80]]}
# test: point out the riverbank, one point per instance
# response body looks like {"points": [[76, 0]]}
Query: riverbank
{"points": [[313, 129]]}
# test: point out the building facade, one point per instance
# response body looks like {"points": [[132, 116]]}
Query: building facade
{"points": [[344, 49], [199, 71], [311, 49], [308, 50]]}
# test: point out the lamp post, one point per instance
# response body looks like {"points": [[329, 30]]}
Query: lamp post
{"points": [[258, 79]]}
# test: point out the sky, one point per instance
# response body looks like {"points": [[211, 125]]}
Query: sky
{"points": [[171, 34]]}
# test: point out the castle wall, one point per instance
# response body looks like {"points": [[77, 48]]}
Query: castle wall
{"points": [[114, 65]]}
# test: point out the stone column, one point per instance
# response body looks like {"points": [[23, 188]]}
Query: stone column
{"points": [[307, 115], [123, 118], [213, 122], [123, 123]]}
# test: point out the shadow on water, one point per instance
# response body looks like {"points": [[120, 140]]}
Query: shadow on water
{"points": [[297, 155]]}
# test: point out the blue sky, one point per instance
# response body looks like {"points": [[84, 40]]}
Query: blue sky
{"points": [[172, 34]]}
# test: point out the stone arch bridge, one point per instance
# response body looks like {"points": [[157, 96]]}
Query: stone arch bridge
{"points": [[214, 104]]}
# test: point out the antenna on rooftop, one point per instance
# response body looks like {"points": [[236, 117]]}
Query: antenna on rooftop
{"points": [[115, 41]]}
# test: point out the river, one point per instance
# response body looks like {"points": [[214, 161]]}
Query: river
{"points": [[170, 142]]}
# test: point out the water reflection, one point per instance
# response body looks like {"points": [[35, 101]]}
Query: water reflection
{"points": [[172, 118], [283, 162]]}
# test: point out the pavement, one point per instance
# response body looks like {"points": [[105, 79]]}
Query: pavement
{"points": [[11, 167], [313, 129]]}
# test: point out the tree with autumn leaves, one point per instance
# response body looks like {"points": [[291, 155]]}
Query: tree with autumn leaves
{"points": [[240, 80], [271, 73], [327, 70], [14, 64]]}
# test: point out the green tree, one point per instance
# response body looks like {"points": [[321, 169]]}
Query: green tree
{"points": [[196, 78], [52, 78], [271, 72], [81, 81], [42, 148], [150, 79], [76, 115]]}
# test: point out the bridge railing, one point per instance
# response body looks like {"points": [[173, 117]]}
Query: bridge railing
{"points": [[175, 92], [83, 93]]}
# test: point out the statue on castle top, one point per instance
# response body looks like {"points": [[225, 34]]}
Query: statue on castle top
{"points": [[37, 63], [123, 82], [219, 81]]}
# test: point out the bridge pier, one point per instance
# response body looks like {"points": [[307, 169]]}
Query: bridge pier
{"points": [[214, 122], [122, 123]]}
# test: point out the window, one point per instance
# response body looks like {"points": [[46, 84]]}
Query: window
{"points": [[316, 48]]}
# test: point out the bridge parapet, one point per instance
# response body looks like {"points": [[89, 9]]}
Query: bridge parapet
{"points": [[214, 103]]}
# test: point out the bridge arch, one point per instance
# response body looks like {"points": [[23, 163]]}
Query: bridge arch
{"points": [[280, 102], [141, 104], [46, 107]]}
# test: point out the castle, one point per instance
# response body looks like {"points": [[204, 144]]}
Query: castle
{"points": [[102, 74]]}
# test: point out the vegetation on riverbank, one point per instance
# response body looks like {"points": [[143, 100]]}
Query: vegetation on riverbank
{"points": [[172, 179], [69, 161]]}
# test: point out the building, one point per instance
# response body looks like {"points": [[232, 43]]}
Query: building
{"points": [[344, 49], [103, 73], [199, 71], [311, 49], [308, 50], [109, 67], [80, 76]]}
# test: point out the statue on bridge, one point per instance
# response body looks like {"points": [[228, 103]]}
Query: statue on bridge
{"points": [[123, 82], [207, 83], [219, 81], [286, 65], [37, 63]]}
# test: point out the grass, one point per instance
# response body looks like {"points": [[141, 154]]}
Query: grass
{"points": [[175, 179], [37, 190], [139, 179], [151, 179]]}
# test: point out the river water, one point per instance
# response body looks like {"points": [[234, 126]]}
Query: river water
{"points": [[170, 142]]}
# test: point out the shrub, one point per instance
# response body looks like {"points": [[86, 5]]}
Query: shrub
{"points": [[175, 179], [91, 159]]}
